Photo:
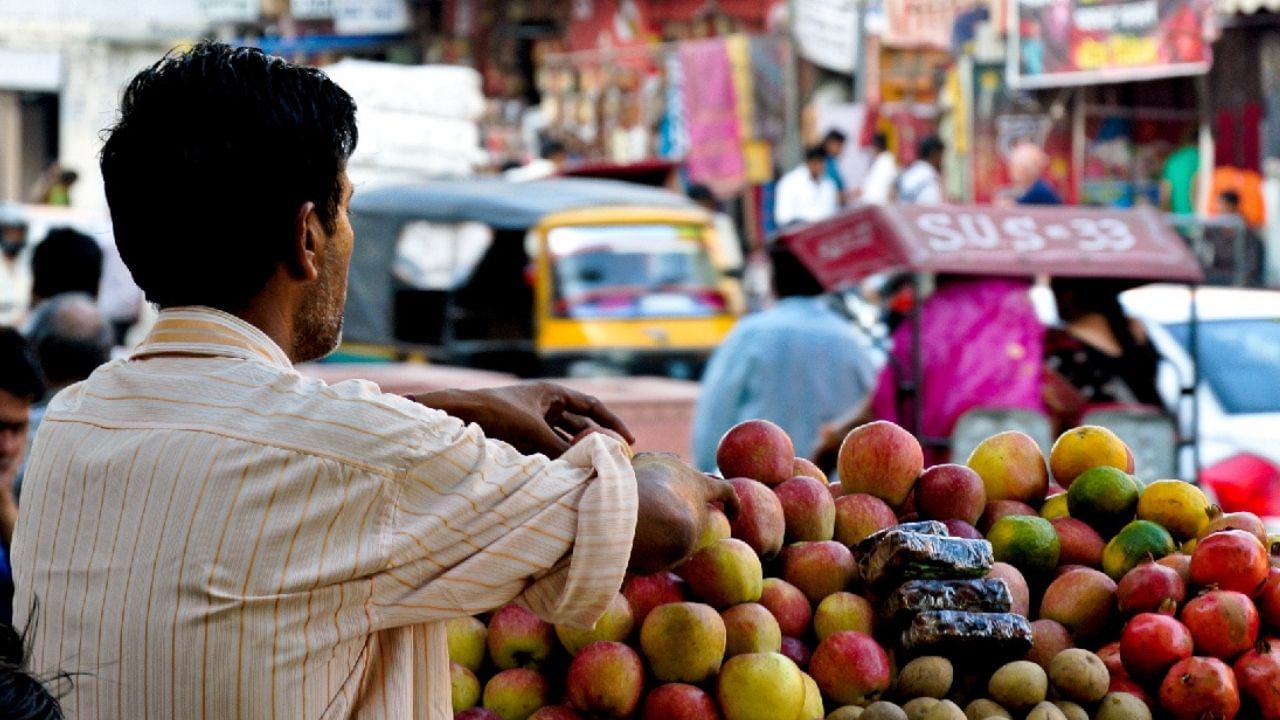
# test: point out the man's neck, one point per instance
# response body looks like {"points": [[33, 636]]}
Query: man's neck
{"points": [[271, 315]]}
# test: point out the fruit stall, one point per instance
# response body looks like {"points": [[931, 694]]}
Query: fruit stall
{"points": [[1133, 246], [1019, 584]]}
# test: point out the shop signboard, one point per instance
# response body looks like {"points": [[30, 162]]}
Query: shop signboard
{"points": [[230, 10], [370, 17], [1059, 43], [826, 33], [921, 23], [311, 9], [985, 240]]}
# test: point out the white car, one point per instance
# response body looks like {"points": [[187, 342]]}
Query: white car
{"points": [[1238, 340]]}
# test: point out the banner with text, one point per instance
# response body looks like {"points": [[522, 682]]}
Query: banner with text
{"points": [[1081, 42]]}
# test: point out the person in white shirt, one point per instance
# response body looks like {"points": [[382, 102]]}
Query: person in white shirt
{"points": [[877, 186], [921, 182], [807, 193], [15, 266]]}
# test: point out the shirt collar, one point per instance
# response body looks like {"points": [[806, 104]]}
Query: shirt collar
{"points": [[198, 330]]}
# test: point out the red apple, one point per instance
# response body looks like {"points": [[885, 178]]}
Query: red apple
{"points": [[808, 508], [756, 449], [646, 592], [858, 515], [750, 628], [518, 638], [851, 668], [949, 491], [880, 459], [761, 522], [678, 701], [605, 679], [818, 568], [516, 693], [788, 605], [727, 573]]}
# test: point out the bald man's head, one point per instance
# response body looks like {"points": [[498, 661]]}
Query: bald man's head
{"points": [[1027, 163], [71, 338]]}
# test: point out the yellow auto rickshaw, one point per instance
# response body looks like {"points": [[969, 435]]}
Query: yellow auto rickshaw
{"points": [[555, 277]]}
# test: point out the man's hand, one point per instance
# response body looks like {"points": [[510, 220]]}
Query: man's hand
{"points": [[674, 499], [532, 417]]}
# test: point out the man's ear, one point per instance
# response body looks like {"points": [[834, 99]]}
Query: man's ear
{"points": [[308, 244]]}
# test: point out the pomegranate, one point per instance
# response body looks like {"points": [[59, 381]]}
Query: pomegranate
{"points": [[1110, 655], [1268, 599], [1181, 563], [1224, 623], [1246, 521], [1150, 588], [1230, 560], [1200, 688], [1151, 643], [1258, 672]]}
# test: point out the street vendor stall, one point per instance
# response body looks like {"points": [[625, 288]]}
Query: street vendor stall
{"points": [[1021, 242]]}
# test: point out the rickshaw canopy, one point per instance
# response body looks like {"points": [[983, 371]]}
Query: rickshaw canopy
{"points": [[380, 214], [506, 205], [1063, 241]]}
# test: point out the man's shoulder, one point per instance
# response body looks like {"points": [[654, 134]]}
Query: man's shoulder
{"points": [[258, 403]]}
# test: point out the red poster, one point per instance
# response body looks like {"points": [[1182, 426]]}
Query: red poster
{"points": [[1080, 42]]}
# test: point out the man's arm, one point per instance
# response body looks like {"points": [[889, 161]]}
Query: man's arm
{"points": [[475, 524], [719, 396], [531, 417]]}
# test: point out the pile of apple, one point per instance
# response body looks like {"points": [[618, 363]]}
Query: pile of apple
{"points": [[769, 619]]}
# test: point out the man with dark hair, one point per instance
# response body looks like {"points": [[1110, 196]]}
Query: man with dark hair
{"points": [[1237, 254], [921, 182], [214, 533], [20, 386], [833, 145], [806, 194], [799, 364], [66, 261]]}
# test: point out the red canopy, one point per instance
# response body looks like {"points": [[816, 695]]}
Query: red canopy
{"points": [[971, 240]]}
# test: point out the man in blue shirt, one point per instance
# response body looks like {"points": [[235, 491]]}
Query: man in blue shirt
{"points": [[800, 363], [833, 145]]}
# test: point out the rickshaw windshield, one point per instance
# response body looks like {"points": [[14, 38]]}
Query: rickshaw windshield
{"points": [[632, 271]]}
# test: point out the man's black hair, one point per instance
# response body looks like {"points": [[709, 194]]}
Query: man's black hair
{"points": [[20, 374], [701, 193], [815, 153], [553, 147], [834, 135], [929, 147], [880, 141], [215, 151], [23, 695], [791, 278], [66, 261]]}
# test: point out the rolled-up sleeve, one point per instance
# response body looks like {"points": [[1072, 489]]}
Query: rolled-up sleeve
{"points": [[475, 524]]}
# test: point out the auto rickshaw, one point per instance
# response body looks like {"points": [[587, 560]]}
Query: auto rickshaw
{"points": [[564, 276], [1027, 242]]}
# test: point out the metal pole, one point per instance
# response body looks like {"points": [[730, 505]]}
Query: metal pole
{"points": [[917, 370], [790, 151], [1193, 342], [860, 54]]}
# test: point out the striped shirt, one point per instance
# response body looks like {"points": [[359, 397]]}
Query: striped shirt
{"points": [[210, 534]]}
